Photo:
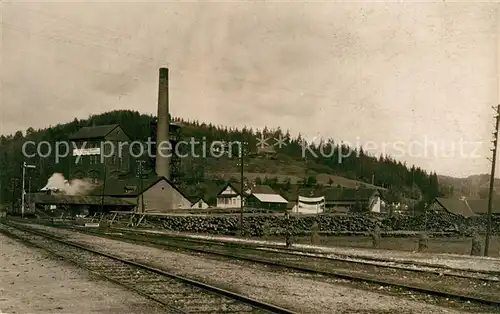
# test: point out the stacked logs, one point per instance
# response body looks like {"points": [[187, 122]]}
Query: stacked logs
{"points": [[301, 225]]}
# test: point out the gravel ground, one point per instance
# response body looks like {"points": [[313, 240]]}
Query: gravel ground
{"points": [[290, 291], [455, 261], [31, 281]]}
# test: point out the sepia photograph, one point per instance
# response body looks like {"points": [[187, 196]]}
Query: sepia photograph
{"points": [[294, 156]]}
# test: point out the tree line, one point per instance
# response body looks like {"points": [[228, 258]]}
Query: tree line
{"points": [[403, 180]]}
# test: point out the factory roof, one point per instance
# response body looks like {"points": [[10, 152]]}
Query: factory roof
{"points": [[270, 198], [89, 132], [131, 186], [61, 199]]}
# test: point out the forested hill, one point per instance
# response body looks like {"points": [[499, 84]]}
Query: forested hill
{"points": [[402, 180]]}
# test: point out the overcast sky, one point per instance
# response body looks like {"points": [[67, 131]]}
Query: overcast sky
{"points": [[377, 74]]}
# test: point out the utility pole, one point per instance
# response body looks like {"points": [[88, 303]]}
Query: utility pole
{"points": [[29, 191], [242, 186], [23, 192], [492, 180], [140, 175], [103, 187]]}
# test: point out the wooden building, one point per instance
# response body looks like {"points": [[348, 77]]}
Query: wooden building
{"points": [[264, 197], [229, 196]]}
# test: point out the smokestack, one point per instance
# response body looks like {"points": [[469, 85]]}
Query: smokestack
{"points": [[162, 132]]}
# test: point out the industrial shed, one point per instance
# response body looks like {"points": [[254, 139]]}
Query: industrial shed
{"points": [[77, 203], [160, 195], [264, 197]]}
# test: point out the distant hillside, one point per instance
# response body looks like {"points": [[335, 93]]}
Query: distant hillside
{"points": [[472, 186], [357, 168]]}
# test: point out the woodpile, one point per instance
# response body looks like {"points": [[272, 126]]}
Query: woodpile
{"points": [[361, 223]]}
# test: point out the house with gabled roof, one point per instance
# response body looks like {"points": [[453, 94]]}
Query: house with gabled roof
{"points": [[230, 196]]}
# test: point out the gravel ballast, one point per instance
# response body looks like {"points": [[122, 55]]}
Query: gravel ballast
{"points": [[453, 261], [32, 281], [291, 291]]}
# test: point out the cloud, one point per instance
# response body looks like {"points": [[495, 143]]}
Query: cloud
{"points": [[378, 71]]}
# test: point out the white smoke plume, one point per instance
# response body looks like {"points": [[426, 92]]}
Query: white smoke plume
{"points": [[73, 187]]}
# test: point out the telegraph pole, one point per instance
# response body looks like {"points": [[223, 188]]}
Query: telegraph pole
{"points": [[242, 188], [492, 180], [140, 175], [23, 193], [103, 188]]}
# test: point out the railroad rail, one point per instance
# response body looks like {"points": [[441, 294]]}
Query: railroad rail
{"points": [[176, 293], [380, 275], [493, 276]]}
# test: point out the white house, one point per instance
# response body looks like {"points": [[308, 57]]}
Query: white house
{"points": [[229, 197]]}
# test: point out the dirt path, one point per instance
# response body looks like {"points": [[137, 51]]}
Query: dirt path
{"points": [[31, 281]]}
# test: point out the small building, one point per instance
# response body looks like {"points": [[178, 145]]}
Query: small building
{"points": [[200, 203], [264, 197], [229, 197]]}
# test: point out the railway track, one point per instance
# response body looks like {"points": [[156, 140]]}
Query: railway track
{"points": [[433, 286], [431, 282], [492, 276], [177, 294]]}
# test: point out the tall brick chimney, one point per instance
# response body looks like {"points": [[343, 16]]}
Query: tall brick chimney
{"points": [[162, 131]]}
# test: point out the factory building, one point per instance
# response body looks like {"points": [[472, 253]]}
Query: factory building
{"points": [[99, 152], [103, 155], [153, 194]]}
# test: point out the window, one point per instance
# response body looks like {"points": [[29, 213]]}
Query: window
{"points": [[200, 204]]}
